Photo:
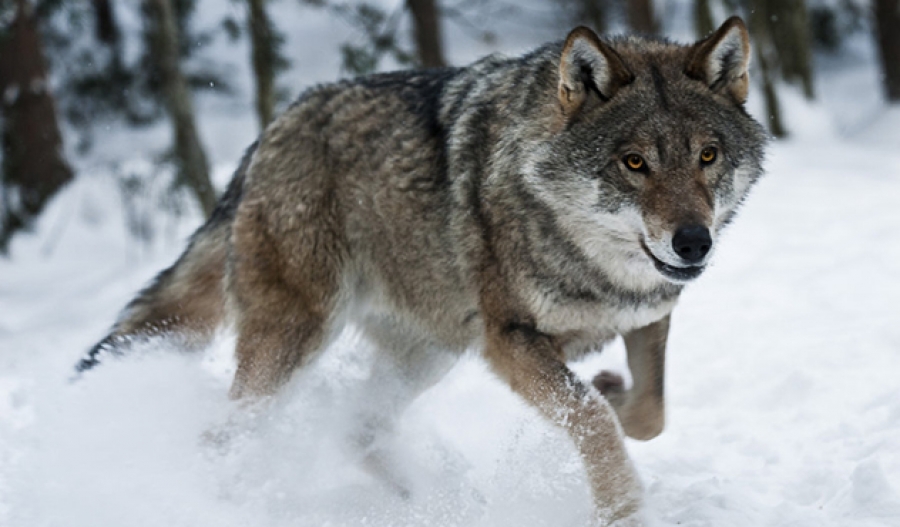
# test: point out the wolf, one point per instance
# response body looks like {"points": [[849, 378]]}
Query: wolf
{"points": [[530, 208]]}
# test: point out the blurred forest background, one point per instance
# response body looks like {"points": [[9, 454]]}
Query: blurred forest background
{"points": [[73, 71]]}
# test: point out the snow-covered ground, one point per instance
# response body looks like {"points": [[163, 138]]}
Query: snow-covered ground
{"points": [[783, 374]]}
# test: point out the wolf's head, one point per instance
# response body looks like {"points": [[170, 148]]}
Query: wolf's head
{"points": [[653, 152]]}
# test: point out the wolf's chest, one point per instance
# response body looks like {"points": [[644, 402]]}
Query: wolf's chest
{"points": [[582, 325]]}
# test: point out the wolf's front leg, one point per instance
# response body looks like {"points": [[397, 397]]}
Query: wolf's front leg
{"points": [[531, 362], [641, 409]]}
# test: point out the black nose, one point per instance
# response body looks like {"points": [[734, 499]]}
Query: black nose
{"points": [[692, 243]]}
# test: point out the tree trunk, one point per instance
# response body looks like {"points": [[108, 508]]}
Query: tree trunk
{"points": [[105, 27], [773, 108], [704, 24], [427, 33], [887, 20], [34, 166], [594, 13], [789, 30], [641, 17], [263, 50], [759, 30], [193, 168]]}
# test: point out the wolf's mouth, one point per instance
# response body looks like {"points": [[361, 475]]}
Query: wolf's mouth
{"points": [[674, 273]]}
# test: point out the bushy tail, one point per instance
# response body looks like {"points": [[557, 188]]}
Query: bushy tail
{"points": [[188, 298]]}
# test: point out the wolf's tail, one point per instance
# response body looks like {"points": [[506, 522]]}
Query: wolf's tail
{"points": [[188, 298]]}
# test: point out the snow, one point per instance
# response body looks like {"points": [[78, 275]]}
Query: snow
{"points": [[783, 368]]}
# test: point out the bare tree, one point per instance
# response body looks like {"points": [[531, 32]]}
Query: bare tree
{"points": [[263, 43], [703, 19], [764, 49], [190, 158], [107, 30], [427, 32], [783, 44], [641, 17], [593, 13], [887, 21], [34, 166], [789, 30], [773, 106]]}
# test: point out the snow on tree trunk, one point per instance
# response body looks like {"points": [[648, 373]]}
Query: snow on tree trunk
{"points": [[34, 167]]}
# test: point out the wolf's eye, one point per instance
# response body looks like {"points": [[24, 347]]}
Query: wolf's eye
{"points": [[635, 162], [708, 155]]}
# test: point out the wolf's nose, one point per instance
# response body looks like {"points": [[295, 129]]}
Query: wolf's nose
{"points": [[692, 243]]}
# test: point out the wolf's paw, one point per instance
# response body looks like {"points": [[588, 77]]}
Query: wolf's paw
{"points": [[612, 386], [220, 440], [642, 418], [609, 382]]}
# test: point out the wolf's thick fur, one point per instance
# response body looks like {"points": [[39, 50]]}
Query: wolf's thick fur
{"points": [[532, 208]]}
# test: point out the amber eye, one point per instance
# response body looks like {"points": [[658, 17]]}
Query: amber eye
{"points": [[634, 162], [708, 155]]}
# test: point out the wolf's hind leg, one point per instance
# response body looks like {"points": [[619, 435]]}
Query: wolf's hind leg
{"points": [[405, 366], [641, 409], [285, 283], [271, 344]]}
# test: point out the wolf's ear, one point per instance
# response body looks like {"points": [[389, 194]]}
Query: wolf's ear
{"points": [[586, 65], [721, 60]]}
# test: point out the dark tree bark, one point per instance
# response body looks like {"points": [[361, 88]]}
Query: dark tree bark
{"points": [[34, 167], [193, 167], [887, 21], [788, 23], [759, 30], [106, 29], [427, 33], [263, 51], [641, 17], [773, 107], [703, 19], [594, 13]]}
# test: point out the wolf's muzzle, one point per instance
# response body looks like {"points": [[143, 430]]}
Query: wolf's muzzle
{"points": [[692, 243], [678, 274], [674, 273]]}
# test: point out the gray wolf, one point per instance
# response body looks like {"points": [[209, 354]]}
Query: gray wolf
{"points": [[532, 208]]}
